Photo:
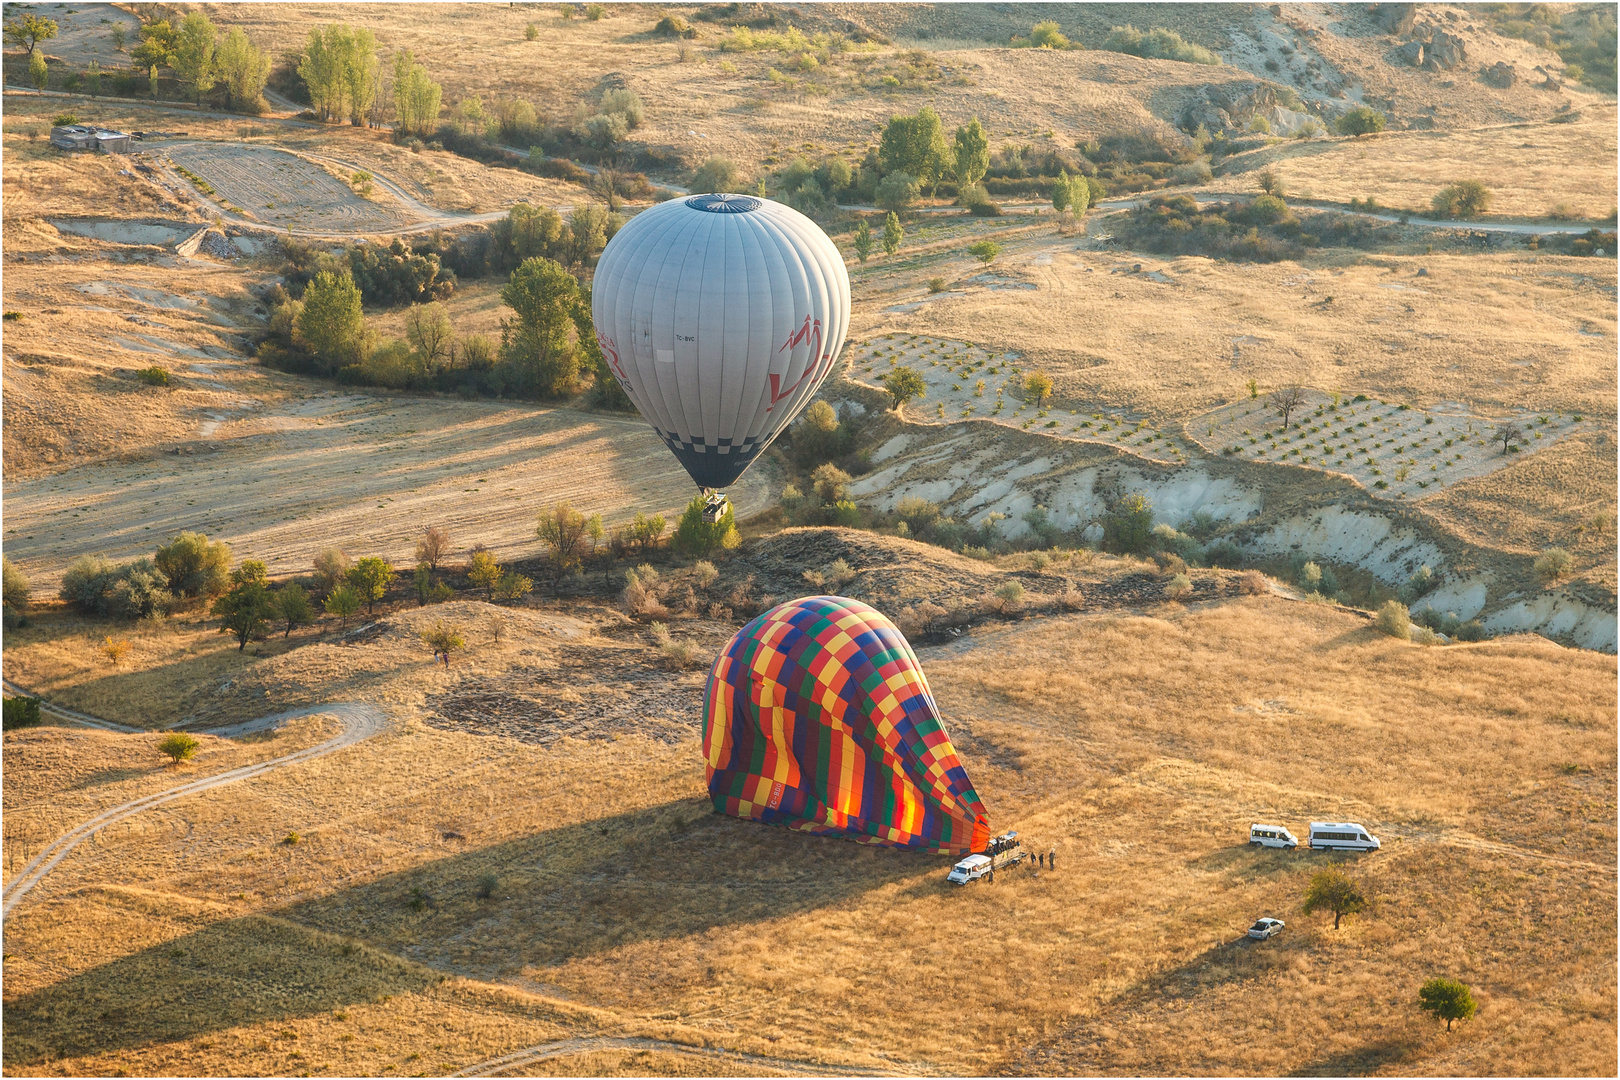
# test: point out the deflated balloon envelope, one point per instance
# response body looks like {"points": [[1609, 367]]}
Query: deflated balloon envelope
{"points": [[720, 315], [817, 716]]}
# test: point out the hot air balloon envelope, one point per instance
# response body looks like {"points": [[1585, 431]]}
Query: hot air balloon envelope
{"points": [[817, 716], [720, 315]]}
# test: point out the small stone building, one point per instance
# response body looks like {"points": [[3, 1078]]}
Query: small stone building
{"points": [[82, 137]]}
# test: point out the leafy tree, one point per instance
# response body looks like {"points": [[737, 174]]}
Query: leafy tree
{"points": [[1448, 1000], [831, 482], [645, 532], [589, 231], [896, 191], [903, 384], [985, 251], [28, 30], [140, 591], [251, 570], [157, 44], [245, 612], [38, 73], [1060, 191], [1359, 121], [1464, 200], [293, 607], [370, 578], [179, 746], [892, 234], [1079, 195], [915, 145], [361, 73], [1128, 525], [1270, 184], [1507, 433], [243, 69], [194, 565], [1286, 400], [331, 324], [971, 153], [484, 572], [562, 530], [1553, 565], [433, 546], [1037, 387], [1394, 619], [512, 587], [429, 331], [417, 98], [539, 344], [330, 566], [1331, 890], [343, 602], [16, 588], [423, 579], [1047, 35], [694, 536], [193, 55], [444, 639], [816, 437], [21, 712], [716, 174], [863, 240]]}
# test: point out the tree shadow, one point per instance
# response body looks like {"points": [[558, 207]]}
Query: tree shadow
{"points": [[660, 874], [1364, 1060]]}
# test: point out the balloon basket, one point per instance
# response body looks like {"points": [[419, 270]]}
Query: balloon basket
{"points": [[715, 506]]}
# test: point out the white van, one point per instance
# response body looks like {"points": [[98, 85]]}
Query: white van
{"points": [[1342, 836], [1272, 836]]}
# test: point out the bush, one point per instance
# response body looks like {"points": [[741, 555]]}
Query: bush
{"points": [[1472, 630], [1128, 525], [153, 376], [1553, 565], [1158, 44], [1008, 597], [1178, 587], [140, 592], [919, 515], [330, 567], [1392, 619], [86, 583], [16, 588], [1421, 583], [716, 174], [694, 536], [1253, 583], [194, 565], [21, 712], [1225, 554], [487, 882], [1463, 200], [936, 284], [985, 251], [674, 26], [179, 746], [896, 192], [1359, 121], [679, 654]]}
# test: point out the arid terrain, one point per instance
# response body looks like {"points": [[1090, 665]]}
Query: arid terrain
{"points": [[378, 862]]}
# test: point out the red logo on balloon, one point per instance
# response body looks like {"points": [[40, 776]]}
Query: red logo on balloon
{"points": [[811, 330], [611, 351]]}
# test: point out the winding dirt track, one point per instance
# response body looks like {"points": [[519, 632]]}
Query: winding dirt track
{"points": [[532, 1055], [360, 721]]}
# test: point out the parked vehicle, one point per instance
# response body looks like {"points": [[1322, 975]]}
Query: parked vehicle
{"points": [[1272, 836], [1266, 928], [1342, 836], [1003, 851]]}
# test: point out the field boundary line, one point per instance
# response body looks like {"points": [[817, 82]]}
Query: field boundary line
{"points": [[360, 721], [531, 1055]]}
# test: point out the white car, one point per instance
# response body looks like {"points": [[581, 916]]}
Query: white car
{"points": [[1266, 928]]}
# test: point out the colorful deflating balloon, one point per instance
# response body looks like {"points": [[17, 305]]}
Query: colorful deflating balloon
{"points": [[720, 315], [817, 716]]}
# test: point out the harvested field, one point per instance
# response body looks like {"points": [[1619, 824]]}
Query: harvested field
{"points": [[285, 191]]}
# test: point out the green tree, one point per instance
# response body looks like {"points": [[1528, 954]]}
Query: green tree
{"points": [[903, 384], [1553, 565], [512, 587], [1079, 195], [16, 588], [716, 174], [331, 324], [429, 331], [179, 746], [915, 145], [892, 234], [343, 602], [1128, 525], [1037, 387], [816, 437], [484, 572], [562, 530], [360, 72], [370, 578], [293, 607], [245, 612], [863, 240], [251, 570], [1047, 35], [243, 69], [1331, 890], [38, 73], [28, 30], [417, 98], [896, 191], [1448, 1000], [1060, 192], [985, 251], [539, 344], [1359, 121], [422, 578], [193, 56], [157, 44], [694, 536], [971, 153], [1463, 200], [323, 69], [194, 565]]}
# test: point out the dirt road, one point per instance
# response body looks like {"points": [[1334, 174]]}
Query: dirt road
{"points": [[360, 721]]}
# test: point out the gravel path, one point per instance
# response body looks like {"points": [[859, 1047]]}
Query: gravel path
{"points": [[360, 721]]}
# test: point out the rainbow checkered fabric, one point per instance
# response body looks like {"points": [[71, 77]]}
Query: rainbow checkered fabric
{"points": [[817, 716]]}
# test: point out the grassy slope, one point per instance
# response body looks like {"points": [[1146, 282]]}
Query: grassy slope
{"points": [[1138, 743]]}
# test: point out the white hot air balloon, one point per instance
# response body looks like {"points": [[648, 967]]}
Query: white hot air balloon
{"points": [[721, 315]]}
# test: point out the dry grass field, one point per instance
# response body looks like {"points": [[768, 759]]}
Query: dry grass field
{"points": [[522, 871], [1137, 743]]}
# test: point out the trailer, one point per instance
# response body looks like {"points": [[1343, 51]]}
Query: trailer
{"points": [[1003, 852]]}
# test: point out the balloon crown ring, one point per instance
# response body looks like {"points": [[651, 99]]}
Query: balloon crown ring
{"points": [[724, 204]]}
